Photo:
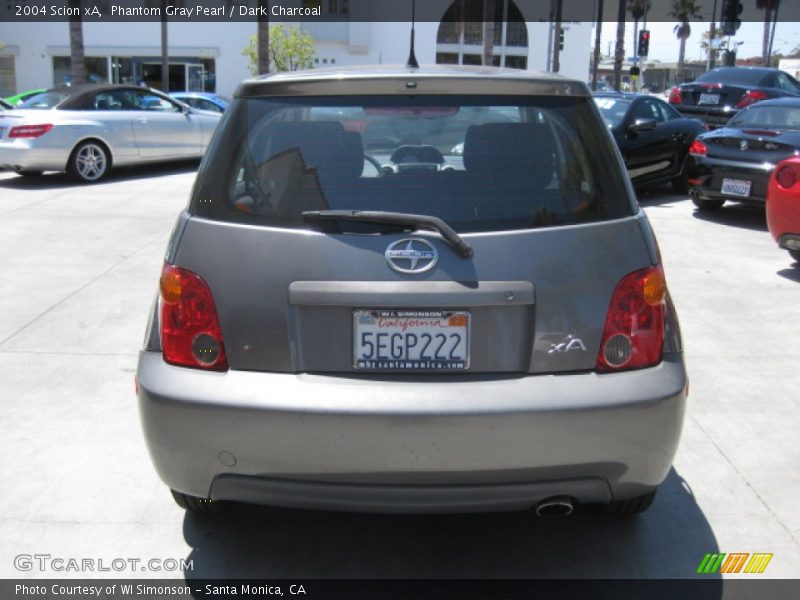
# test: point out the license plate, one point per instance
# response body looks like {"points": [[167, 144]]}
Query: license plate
{"points": [[411, 340], [708, 99], [736, 187]]}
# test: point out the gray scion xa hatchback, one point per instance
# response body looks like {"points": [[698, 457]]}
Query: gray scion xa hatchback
{"points": [[413, 290]]}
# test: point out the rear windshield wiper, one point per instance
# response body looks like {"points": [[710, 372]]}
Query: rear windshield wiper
{"points": [[380, 217]]}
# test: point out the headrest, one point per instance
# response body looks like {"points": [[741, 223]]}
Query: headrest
{"points": [[324, 145], [511, 150]]}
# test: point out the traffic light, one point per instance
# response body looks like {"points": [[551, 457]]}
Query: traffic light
{"points": [[731, 9], [644, 42], [561, 38]]}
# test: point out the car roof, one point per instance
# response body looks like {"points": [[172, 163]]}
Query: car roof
{"points": [[429, 79], [621, 95], [79, 93]]}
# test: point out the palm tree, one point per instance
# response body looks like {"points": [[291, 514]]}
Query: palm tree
{"points": [[488, 32], [263, 37], [683, 11], [597, 36], [619, 50], [77, 60]]}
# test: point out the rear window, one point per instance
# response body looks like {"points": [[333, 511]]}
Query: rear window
{"points": [[479, 163], [735, 76], [44, 100], [783, 117]]}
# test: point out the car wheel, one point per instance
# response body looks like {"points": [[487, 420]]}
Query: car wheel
{"points": [[795, 254], [89, 162], [708, 204], [28, 172], [631, 506], [197, 505]]}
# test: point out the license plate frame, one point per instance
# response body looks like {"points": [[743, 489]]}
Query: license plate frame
{"points": [[398, 354], [736, 187], [708, 100]]}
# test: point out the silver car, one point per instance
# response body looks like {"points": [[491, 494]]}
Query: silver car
{"points": [[413, 290], [86, 129]]}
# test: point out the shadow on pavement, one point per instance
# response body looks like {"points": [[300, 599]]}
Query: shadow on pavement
{"points": [[657, 196], [792, 274], [55, 180], [746, 216], [668, 541]]}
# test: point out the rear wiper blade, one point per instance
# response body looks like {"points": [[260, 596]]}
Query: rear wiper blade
{"points": [[380, 217]]}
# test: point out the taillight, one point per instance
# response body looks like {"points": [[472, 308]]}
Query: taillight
{"points": [[698, 148], [633, 335], [786, 176], [29, 131], [675, 96], [750, 97], [190, 332]]}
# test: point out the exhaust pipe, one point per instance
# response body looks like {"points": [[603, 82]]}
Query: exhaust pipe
{"points": [[557, 506]]}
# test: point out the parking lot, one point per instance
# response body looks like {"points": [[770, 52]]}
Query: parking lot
{"points": [[79, 271]]}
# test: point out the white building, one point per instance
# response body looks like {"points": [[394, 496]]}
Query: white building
{"points": [[208, 55]]}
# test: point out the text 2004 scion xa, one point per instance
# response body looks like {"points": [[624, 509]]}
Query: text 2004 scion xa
{"points": [[413, 289]]}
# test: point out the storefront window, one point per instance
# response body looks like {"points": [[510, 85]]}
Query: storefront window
{"points": [[96, 69]]}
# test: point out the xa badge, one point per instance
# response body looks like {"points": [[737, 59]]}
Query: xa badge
{"points": [[743, 145], [411, 255], [568, 346]]}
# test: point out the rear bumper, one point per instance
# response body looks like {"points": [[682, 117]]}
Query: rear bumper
{"points": [[23, 154], [431, 444], [714, 118], [706, 175]]}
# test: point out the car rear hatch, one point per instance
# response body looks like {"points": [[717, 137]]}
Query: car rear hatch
{"points": [[711, 96], [543, 230]]}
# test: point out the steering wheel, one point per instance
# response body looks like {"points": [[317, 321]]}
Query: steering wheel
{"points": [[374, 162]]}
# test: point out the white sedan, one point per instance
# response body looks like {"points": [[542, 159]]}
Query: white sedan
{"points": [[85, 129]]}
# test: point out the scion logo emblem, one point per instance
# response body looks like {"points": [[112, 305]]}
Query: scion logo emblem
{"points": [[743, 145], [411, 255]]}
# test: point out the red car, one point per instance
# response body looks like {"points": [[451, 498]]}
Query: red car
{"points": [[783, 205]]}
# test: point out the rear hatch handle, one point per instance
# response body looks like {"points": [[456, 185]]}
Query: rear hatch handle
{"points": [[462, 248]]}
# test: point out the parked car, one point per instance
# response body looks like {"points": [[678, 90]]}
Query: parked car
{"points": [[783, 206], [735, 162], [203, 100], [22, 97], [482, 331], [719, 94], [84, 130], [652, 136]]}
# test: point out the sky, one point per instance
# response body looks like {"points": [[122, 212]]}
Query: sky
{"points": [[664, 45]]}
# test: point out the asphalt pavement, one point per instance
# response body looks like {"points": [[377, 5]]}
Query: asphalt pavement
{"points": [[78, 271]]}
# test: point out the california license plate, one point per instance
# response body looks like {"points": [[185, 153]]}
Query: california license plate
{"points": [[708, 99], [736, 187], [411, 340]]}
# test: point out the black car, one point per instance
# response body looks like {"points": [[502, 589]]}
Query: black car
{"points": [[719, 94], [735, 162], [652, 136]]}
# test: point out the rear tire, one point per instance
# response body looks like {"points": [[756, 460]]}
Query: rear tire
{"points": [[197, 505], [795, 254], [89, 162], [708, 204], [631, 506]]}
